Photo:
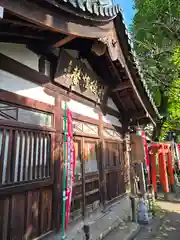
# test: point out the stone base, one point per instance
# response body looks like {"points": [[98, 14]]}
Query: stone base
{"points": [[173, 188], [166, 196]]}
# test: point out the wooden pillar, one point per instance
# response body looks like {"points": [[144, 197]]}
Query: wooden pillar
{"points": [[170, 168], [142, 179], [127, 149], [159, 165], [58, 166], [83, 174], [103, 190], [153, 171], [162, 167]]}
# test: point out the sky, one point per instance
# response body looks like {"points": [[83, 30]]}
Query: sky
{"points": [[127, 7]]}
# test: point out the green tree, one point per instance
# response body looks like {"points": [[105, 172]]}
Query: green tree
{"points": [[156, 33]]}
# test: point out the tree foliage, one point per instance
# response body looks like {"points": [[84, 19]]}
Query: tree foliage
{"points": [[156, 33]]}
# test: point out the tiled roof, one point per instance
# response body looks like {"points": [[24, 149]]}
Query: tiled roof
{"points": [[137, 66], [101, 8]]}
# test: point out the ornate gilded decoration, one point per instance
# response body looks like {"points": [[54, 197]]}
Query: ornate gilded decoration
{"points": [[112, 43], [79, 77], [99, 48]]}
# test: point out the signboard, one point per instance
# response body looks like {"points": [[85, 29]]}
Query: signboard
{"points": [[74, 74]]}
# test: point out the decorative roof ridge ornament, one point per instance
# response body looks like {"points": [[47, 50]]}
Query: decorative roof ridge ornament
{"points": [[99, 8], [109, 42]]}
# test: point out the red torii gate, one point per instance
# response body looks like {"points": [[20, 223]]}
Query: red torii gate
{"points": [[162, 149]]}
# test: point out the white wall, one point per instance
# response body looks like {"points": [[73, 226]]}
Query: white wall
{"points": [[87, 111], [20, 86], [82, 109], [112, 120], [21, 54], [111, 104]]}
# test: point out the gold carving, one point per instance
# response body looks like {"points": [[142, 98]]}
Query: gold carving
{"points": [[80, 77], [75, 76], [69, 69]]}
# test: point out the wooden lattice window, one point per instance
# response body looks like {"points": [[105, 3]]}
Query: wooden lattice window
{"points": [[25, 115], [86, 128], [25, 155], [112, 134]]}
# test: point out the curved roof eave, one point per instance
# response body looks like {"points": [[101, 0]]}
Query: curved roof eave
{"points": [[97, 8], [136, 64]]}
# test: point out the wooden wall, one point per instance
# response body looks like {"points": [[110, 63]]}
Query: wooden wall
{"points": [[32, 205]]}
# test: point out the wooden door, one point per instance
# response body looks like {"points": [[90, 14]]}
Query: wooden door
{"points": [[86, 196], [91, 181], [114, 169], [76, 204]]}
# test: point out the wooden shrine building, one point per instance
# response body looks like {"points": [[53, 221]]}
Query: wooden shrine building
{"points": [[53, 51]]}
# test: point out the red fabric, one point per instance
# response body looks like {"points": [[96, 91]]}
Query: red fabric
{"points": [[70, 166], [178, 146]]}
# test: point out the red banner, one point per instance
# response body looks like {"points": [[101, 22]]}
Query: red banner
{"points": [[70, 166], [178, 147]]}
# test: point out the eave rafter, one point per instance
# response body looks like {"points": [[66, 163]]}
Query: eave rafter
{"points": [[122, 86], [56, 20], [63, 41]]}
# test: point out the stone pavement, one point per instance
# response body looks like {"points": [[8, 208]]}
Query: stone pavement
{"points": [[167, 227], [101, 223], [125, 231], [113, 224]]}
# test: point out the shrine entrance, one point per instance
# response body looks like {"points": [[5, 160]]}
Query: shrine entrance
{"points": [[86, 190], [162, 166]]}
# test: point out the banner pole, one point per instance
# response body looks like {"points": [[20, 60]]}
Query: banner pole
{"points": [[64, 173]]}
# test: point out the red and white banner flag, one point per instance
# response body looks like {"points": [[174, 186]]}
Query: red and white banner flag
{"points": [[70, 166]]}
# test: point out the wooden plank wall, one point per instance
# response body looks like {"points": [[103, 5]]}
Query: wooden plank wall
{"points": [[33, 206], [99, 187], [25, 182]]}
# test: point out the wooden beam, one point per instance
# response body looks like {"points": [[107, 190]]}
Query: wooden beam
{"points": [[12, 66], [16, 99], [64, 41], [56, 22], [20, 23], [138, 115], [122, 86], [12, 34]]}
